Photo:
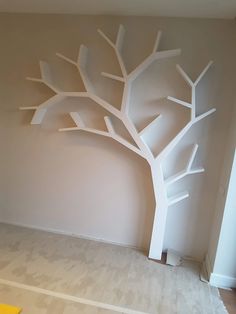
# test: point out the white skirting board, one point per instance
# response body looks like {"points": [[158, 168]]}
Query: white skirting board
{"points": [[222, 281], [214, 279], [71, 234]]}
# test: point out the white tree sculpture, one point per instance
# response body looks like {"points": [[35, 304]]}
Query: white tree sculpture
{"points": [[142, 149]]}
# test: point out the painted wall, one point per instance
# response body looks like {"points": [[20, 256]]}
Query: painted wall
{"points": [[222, 248], [87, 185]]}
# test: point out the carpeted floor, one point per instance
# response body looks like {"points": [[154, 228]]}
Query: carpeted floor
{"points": [[53, 274]]}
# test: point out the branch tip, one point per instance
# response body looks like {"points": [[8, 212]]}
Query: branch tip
{"points": [[157, 41], [120, 37], [82, 56], [107, 39]]}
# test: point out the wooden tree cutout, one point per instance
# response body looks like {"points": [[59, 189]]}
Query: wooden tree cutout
{"points": [[142, 149]]}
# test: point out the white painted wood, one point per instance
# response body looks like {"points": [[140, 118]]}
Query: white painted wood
{"points": [[46, 75], [113, 77], [204, 115], [75, 94], [33, 79], [184, 75], [141, 67], [38, 116], [180, 175], [192, 157], [203, 73], [45, 71], [165, 152], [77, 119], [167, 54], [150, 59], [75, 128], [81, 66], [221, 281], [42, 109], [82, 63], [142, 149], [129, 125], [117, 47], [121, 63], [160, 215], [177, 198], [157, 41], [66, 59], [162, 204], [120, 38], [197, 170], [180, 102], [193, 110], [106, 105], [187, 170], [28, 108], [107, 39], [51, 101], [94, 131], [128, 145], [147, 127], [82, 56], [106, 134], [193, 120], [109, 125], [175, 177], [126, 98]]}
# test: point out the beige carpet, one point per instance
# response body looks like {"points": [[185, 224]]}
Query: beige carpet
{"points": [[82, 276]]}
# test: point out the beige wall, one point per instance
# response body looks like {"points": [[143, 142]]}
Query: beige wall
{"points": [[222, 250], [87, 185]]}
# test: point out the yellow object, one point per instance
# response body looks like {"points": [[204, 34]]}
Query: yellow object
{"points": [[8, 309]]}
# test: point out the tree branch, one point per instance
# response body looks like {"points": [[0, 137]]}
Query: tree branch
{"points": [[184, 75], [180, 102], [204, 115], [68, 60], [46, 77], [147, 127], [128, 79], [177, 198], [110, 133], [109, 125], [122, 114], [41, 110], [77, 119], [117, 47], [113, 77], [126, 92], [120, 38], [192, 107], [150, 59], [203, 73], [188, 169], [157, 41]]}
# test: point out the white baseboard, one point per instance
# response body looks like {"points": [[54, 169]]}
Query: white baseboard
{"points": [[71, 234], [217, 280], [222, 281]]}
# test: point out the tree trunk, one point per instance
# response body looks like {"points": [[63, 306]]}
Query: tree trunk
{"points": [[161, 207]]}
